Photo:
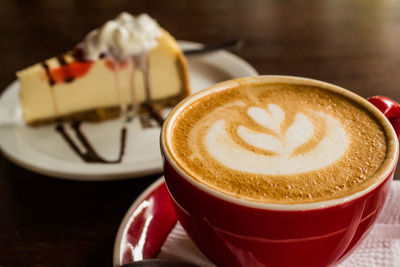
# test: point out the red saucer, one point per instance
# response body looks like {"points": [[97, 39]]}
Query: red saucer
{"points": [[145, 226], [151, 218]]}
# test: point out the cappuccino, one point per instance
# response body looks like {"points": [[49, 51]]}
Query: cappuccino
{"points": [[279, 143]]}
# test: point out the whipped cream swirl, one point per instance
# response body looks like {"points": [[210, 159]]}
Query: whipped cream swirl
{"points": [[123, 37]]}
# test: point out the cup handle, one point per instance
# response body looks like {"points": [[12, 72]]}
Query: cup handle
{"points": [[389, 108]]}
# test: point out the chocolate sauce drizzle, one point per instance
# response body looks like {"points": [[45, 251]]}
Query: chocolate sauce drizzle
{"points": [[67, 74], [143, 63], [78, 54], [156, 114], [48, 73], [90, 155], [51, 83]]}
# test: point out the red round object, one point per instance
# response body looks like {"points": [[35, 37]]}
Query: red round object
{"points": [[235, 235], [238, 233]]}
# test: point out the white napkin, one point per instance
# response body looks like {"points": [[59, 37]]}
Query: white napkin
{"points": [[380, 248]]}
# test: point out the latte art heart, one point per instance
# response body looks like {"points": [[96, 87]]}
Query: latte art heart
{"points": [[279, 143], [330, 147]]}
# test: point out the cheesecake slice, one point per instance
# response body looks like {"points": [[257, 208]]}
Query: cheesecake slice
{"points": [[127, 64]]}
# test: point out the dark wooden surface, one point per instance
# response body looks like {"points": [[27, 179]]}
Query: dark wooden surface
{"points": [[53, 222]]}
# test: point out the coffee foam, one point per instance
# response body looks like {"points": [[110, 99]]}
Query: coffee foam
{"points": [[279, 143]]}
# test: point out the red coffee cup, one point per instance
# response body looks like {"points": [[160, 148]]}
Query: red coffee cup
{"points": [[236, 232]]}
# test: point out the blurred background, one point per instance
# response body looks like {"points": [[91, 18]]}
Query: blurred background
{"points": [[45, 221], [354, 44]]}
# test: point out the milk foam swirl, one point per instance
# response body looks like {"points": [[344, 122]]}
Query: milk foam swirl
{"points": [[280, 144]]}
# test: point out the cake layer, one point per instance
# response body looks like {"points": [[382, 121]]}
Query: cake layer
{"points": [[61, 87]]}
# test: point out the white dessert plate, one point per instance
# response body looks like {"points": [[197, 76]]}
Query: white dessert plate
{"points": [[43, 150]]}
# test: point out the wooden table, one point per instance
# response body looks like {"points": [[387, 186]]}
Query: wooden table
{"points": [[54, 222]]}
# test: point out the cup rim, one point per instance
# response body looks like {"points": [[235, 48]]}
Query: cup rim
{"points": [[382, 173]]}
